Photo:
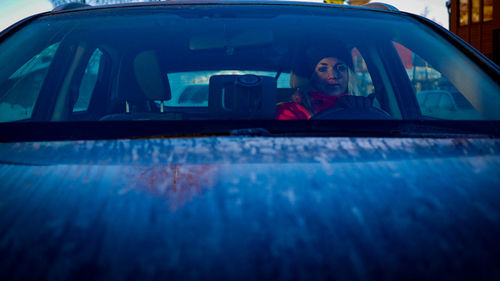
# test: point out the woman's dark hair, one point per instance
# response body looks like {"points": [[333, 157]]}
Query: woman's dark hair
{"points": [[310, 58]]}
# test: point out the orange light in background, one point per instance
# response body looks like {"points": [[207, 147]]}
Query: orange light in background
{"points": [[464, 12], [475, 11], [488, 10], [334, 1]]}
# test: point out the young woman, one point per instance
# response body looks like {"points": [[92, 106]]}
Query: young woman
{"points": [[329, 81]]}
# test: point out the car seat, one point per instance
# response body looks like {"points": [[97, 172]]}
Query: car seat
{"points": [[142, 89]]}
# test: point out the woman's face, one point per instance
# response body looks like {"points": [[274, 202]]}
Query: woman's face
{"points": [[331, 77]]}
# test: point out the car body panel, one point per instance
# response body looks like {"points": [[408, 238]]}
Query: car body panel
{"points": [[250, 208]]}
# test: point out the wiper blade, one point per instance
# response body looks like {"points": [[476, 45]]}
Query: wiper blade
{"points": [[251, 132], [50, 131]]}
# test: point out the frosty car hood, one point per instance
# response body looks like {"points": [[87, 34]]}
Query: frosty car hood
{"points": [[260, 208], [242, 150]]}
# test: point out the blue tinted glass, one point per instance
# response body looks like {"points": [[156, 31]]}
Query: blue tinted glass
{"points": [[185, 47]]}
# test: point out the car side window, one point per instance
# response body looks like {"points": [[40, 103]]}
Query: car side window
{"points": [[28, 80], [88, 83], [436, 95]]}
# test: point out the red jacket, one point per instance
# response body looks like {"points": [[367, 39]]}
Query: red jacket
{"points": [[294, 110]]}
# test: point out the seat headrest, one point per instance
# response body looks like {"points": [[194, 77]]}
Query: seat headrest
{"points": [[153, 83], [298, 81], [141, 79]]}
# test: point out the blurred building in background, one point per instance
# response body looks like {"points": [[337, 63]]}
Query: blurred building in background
{"points": [[478, 23]]}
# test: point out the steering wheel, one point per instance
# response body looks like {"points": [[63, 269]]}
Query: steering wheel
{"points": [[341, 113]]}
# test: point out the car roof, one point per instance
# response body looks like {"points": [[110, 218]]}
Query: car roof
{"points": [[72, 7], [75, 7]]}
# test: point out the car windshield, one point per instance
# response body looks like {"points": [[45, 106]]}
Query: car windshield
{"points": [[238, 62]]}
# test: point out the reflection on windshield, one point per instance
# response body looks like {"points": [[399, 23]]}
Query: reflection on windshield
{"points": [[217, 63], [191, 88]]}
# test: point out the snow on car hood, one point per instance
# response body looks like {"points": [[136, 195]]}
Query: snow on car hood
{"points": [[263, 208], [180, 168], [239, 150]]}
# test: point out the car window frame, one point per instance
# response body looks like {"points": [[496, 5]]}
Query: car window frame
{"points": [[403, 91], [56, 75], [98, 102], [381, 82]]}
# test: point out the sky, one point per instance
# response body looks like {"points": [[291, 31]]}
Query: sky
{"points": [[12, 11]]}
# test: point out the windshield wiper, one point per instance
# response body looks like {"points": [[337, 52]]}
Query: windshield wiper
{"points": [[456, 128], [260, 132], [50, 131]]}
